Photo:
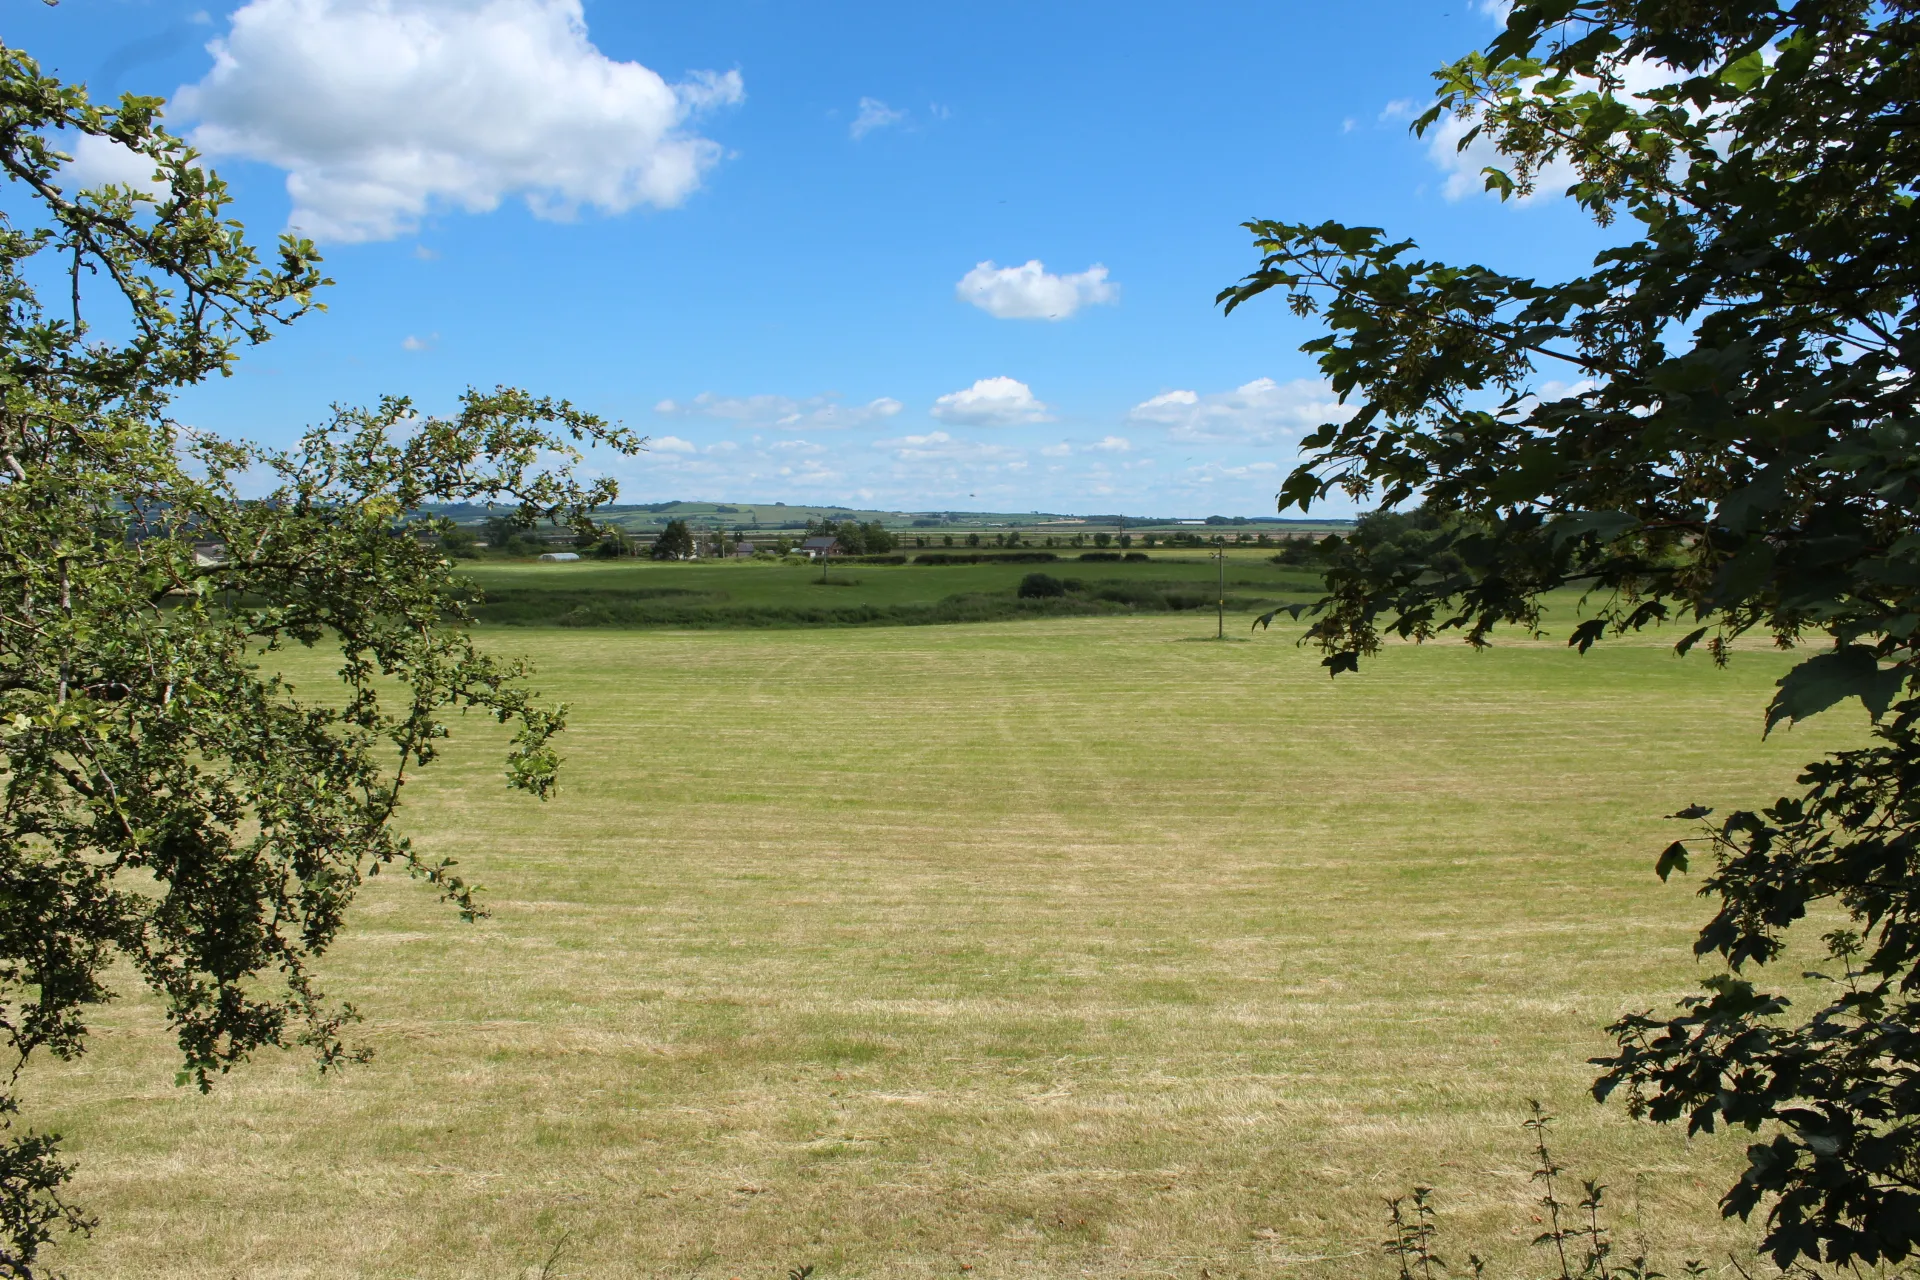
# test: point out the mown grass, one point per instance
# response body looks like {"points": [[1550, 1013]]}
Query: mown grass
{"points": [[1045, 949], [758, 594]]}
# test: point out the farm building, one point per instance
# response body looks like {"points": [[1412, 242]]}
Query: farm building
{"points": [[813, 547], [560, 555]]}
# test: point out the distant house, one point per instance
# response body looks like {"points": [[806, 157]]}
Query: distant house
{"points": [[206, 555], [560, 555], [742, 550], [814, 547]]}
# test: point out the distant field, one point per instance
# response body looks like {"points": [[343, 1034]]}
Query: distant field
{"points": [[733, 594], [1044, 949]]}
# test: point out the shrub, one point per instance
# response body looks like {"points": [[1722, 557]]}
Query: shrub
{"points": [[1137, 595], [1136, 555], [1037, 586], [1100, 555]]}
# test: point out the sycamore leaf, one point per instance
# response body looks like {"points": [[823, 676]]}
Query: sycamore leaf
{"points": [[1673, 858], [1607, 525], [1850, 671]]}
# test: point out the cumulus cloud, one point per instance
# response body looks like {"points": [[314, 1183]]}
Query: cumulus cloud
{"points": [[874, 114], [1031, 292], [381, 111], [1259, 412], [414, 342], [991, 402], [1114, 444], [1061, 450], [672, 444], [782, 413]]}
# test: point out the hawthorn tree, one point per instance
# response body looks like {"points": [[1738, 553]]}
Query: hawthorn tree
{"points": [[1738, 453], [165, 797]]}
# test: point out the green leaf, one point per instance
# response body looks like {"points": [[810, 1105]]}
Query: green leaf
{"points": [[1850, 671]]}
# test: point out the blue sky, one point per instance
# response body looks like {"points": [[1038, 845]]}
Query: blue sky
{"points": [[791, 243]]}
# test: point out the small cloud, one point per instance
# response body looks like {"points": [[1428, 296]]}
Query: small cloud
{"points": [[991, 402], [783, 413], [413, 342], [874, 114], [425, 254], [1115, 444], [1060, 450], [1398, 109], [1031, 292], [1349, 125], [1259, 412], [673, 444]]}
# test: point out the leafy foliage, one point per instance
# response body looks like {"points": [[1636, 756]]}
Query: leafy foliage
{"points": [[166, 799], [1733, 447]]}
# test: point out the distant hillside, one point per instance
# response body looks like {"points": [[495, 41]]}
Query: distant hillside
{"points": [[778, 516]]}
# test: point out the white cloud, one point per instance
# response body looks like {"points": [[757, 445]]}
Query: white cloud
{"points": [[991, 402], [1061, 450], [382, 111], [672, 444], [1398, 109], [414, 342], [874, 114], [1259, 412], [99, 161], [1030, 292], [1115, 444], [783, 413]]}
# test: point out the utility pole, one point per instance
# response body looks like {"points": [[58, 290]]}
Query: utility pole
{"points": [[1220, 554]]}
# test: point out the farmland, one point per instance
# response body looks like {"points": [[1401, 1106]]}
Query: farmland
{"points": [[1040, 948]]}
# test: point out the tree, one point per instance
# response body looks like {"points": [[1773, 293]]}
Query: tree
{"points": [[674, 543], [459, 543], [500, 531], [168, 800], [1737, 452], [1102, 539]]}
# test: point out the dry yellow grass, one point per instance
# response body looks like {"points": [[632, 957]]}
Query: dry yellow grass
{"points": [[1047, 949]]}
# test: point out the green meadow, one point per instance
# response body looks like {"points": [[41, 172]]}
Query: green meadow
{"points": [[1041, 948]]}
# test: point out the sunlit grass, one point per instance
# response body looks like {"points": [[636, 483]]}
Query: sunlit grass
{"points": [[1047, 949]]}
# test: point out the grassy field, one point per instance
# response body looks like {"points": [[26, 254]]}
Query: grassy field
{"points": [[1040, 949], [737, 594]]}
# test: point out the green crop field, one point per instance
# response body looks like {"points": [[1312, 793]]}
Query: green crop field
{"points": [[735, 594], [1041, 948]]}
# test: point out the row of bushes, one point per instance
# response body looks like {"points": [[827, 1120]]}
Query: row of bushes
{"points": [[1114, 555], [1152, 596], [689, 615], [988, 557]]}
